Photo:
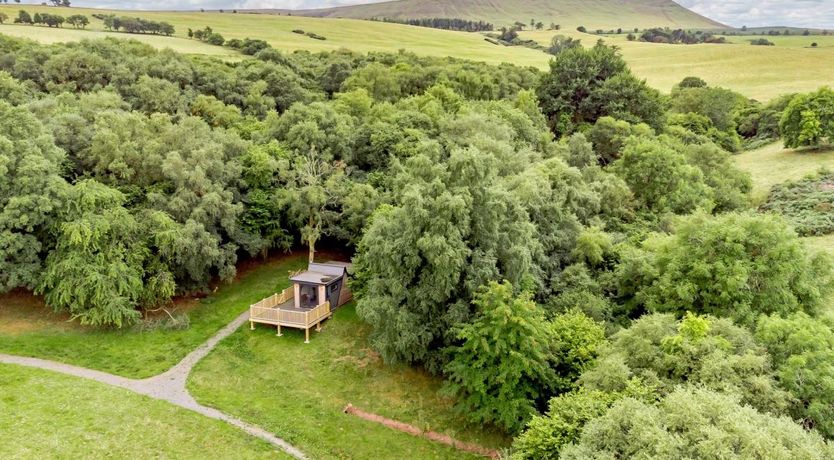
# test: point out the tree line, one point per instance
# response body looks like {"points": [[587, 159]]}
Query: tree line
{"points": [[463, 25], [135, 25], [573, 251]]}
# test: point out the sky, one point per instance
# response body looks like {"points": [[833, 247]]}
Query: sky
{"points": [[752, 13]]}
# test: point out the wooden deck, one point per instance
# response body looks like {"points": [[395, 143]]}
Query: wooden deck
{"points": [[279, 310]]}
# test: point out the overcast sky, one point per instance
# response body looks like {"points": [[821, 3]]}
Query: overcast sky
{"points": [[799, 13]]}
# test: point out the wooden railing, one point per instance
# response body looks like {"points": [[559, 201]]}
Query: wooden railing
{"points": [[276, 299], [267, 311]]}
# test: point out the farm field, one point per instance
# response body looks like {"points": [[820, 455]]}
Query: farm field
{"points": [[300, 391], [28, 328], [45, 413], [356, 35], [739, 66]]}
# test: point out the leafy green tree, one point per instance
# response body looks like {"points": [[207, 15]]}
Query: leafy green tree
{"points": [[808, 119], [79, 21], [96, 272], [584, 85], [501, 366], [312, 194], [664, 352], [718, 266], [609, 136], [454, 227], [803, 350], [730, 185], [661, 178], [379, 81], [23, 17], [694, 423], [31, 192]]}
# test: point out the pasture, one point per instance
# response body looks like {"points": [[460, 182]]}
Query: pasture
{"points": [[774, 164], [758, 72]]}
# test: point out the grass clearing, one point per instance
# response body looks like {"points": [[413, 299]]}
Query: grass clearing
{"points": [[31, 329], [49, 415], [299, 390], [775, 164]]}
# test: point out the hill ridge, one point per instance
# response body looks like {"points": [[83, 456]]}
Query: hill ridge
{"points": [[593, 14]]}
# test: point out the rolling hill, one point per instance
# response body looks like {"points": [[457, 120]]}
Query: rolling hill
{"points": [[593, 14]]}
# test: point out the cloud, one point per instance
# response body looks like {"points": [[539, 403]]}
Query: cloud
{"points": [[755, 13], [752, 13]]}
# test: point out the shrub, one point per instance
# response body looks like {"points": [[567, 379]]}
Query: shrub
{"points": [[761, 42], [807, 203]]}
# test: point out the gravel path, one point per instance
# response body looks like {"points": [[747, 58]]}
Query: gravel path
{"points": [[168, 386]]}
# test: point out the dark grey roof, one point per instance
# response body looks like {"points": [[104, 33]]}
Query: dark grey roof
{"points": [[318, 273]]}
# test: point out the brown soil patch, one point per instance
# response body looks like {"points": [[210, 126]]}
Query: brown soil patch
{"points": [[22, 312]]}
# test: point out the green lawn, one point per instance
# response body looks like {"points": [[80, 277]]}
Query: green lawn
{"points": [[299, 390], [774, 164], [28, 328], [49, 415]]}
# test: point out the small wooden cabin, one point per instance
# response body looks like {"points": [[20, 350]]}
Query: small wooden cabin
{"points": [[311, 299]]}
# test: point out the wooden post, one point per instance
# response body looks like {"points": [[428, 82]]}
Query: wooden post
{"points": [[307, 335], [251, 325], [321, 296], [318, 326], [279, 331], [297, 294]]}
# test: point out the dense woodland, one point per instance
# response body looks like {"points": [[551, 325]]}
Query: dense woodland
{"points": [[573, 251]]}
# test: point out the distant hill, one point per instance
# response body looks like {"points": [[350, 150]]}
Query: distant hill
{"points": [[593, 14]]}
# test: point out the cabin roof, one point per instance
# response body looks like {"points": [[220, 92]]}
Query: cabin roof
{"points": [[322, 273]]}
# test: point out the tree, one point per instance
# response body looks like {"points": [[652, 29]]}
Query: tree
{"points": [[584, 85], [808, 119], [803, 349], [31, 191], [23, 17], [314, 185], [693, 423], [79, 21], [3, 17], [665, 352], [661, 178], [716, 266], [96, 270], [453, 227], [501, 368]]}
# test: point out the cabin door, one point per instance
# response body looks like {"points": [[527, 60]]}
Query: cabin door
{"points": [[333, 292]]}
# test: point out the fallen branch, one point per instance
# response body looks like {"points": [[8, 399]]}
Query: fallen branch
{"points": [[430, 435]]}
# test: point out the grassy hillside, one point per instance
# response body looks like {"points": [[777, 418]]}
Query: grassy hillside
{"points": [[605, 14], [357, 35], [755, 71]]}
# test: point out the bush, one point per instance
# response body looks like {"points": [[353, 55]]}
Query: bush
{"points": [[694, 423], [807, 203], [761, 42], [808, 120]]}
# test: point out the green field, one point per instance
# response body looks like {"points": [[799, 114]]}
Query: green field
{"points": [[594, 14], [356, 35], [49, 415], [299, 390], [759, 72], [28, 328], [774, 164]]}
